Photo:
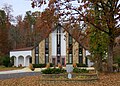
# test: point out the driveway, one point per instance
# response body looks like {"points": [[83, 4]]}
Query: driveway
{"points": [[18, 73]]}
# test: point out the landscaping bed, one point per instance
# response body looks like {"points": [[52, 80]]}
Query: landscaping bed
{"points": [[64, 77], [59, 74]]}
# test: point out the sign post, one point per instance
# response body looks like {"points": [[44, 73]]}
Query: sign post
{"points": [[69, 68]]}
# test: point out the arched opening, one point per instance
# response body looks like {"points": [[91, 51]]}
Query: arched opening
{"points": [[13, 61], [20, 61], [28, 60]]}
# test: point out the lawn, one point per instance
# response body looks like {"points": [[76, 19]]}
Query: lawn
{"points": [[2, 68], [112, 79]]}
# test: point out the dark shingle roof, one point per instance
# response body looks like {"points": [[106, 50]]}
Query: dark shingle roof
{"points": [[23, 49]]}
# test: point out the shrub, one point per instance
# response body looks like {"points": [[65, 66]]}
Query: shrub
{"points": [[51, 64], [74, 65], [84, 71], [39, 65], [6, 61], [59, 66], [81, 65], [53, 71], [76, 70], [48, 65], [31, 67]]}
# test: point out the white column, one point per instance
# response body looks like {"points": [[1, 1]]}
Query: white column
{"points": [[84, 53], [16, 62], [54, 45], [24, 61]]}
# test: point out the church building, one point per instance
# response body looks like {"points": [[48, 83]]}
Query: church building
{"points": [[58, 47]]}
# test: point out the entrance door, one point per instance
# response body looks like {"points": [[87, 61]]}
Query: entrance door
{"points": [[53, 61]]}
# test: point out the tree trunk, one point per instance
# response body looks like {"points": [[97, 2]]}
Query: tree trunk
{"points": [[110, 54], [99, 63]]}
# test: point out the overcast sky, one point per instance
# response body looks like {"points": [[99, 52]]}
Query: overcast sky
{"points": [[19, 6]]}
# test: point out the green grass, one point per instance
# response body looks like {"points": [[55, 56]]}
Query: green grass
{"points": [[2, 68]]}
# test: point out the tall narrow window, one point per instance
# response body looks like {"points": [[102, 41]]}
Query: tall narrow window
{"points": [[70, 58], [70, 52], [80, 54], [86, 60], [63, 61], [37, 55], [58, 44], [70, 39], [46, 50]]}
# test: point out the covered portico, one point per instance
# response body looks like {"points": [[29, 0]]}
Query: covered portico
{"points": [[22, 57]]}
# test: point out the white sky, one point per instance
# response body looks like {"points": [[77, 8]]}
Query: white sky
{"points": [[19, 6]]}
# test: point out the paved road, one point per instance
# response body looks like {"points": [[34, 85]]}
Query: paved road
{"points": [[18, 75]]}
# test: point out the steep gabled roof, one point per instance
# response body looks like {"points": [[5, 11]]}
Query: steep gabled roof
{"points": [[75, 33], [24, 49], [50, 31]]}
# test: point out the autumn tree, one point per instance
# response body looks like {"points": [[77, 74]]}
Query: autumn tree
{"points": [[16, 37], [98, 47], [29, 26], [105, 18], [45, 20], [9, 17], [22, 32], [3, 33], [6, 18], [116, 51], [85, 12]]}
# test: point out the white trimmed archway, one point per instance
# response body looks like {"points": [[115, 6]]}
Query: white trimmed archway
{"points": [[28, 60], [13, 60], [21, 57], [21, 61]]}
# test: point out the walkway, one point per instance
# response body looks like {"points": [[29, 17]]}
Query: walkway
{"points": [[18, 73]]}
